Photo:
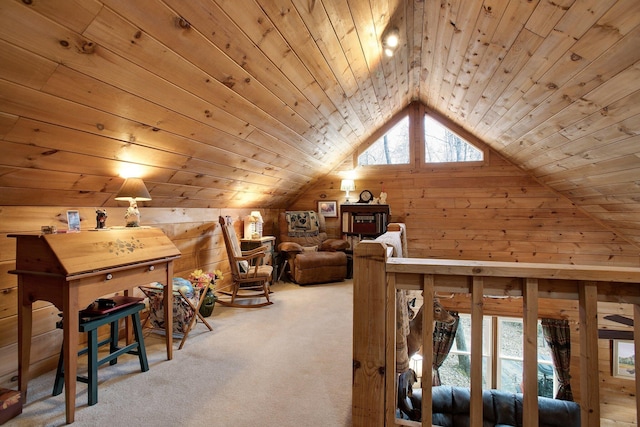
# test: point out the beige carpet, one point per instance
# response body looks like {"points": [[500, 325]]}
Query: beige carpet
{"points": [[288, 364]]}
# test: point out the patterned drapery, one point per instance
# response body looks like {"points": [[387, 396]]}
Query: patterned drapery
{"points": [[557, 334], [443, 337]]}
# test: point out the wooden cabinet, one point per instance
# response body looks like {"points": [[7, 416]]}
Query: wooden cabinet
{"points": [[364, 220], [268, 241], [270, 255]]}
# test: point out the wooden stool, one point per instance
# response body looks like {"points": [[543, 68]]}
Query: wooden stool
{"points": [[90, 325]]}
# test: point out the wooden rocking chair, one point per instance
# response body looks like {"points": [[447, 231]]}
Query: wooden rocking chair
{"points": [[249, 278]]}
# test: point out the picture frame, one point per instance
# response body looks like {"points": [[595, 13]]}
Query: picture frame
{"points": [[623, 359], [73, 220], [328, 208]]}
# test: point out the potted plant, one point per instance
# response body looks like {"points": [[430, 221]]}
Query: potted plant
{"points": [[206, 282]]}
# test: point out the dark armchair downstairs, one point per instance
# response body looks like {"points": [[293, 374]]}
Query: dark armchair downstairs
{"points": [[311, 256]]}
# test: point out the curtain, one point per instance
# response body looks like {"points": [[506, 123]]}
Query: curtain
{"points": [[402, 330], [443, 337], [557, 335]]}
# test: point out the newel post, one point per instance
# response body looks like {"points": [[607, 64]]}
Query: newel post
{"points": [[369, 308]]}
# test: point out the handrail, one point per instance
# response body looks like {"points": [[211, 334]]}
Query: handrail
{"points": [[376, 278]]}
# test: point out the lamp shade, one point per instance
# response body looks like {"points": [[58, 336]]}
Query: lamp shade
{"points": [[256, 216], [133, 189], [347, 185]]}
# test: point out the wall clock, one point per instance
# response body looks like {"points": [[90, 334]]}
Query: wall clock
{"points": [[365, 197]]}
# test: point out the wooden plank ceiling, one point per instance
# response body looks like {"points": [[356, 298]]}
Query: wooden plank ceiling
{"points": [[229, 103]]}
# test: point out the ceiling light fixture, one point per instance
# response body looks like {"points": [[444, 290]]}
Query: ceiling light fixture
{"points": [[390, 41]]}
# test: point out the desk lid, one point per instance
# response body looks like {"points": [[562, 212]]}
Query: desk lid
{"points": [[88, 251]]}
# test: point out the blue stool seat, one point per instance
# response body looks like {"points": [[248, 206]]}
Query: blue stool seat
{"points": [[90, 325]]}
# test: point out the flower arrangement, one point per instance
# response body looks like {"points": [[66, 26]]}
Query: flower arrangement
{"points": [[201, 279]]}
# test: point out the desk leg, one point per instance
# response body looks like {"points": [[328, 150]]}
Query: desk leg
{"points": [[168, 317], [24, 339], [70, 337]]}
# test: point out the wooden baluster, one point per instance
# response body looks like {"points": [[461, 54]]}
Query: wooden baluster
{"points": [[589, 383], [391, 377], [427, 347], [530, 353], [475, 409]]}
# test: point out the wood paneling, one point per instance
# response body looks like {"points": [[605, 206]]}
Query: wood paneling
{"points": [[230, 105], [489, 211], [235, 104]]}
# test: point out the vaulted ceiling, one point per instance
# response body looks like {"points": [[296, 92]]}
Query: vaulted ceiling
{"points": [[232, 103]]}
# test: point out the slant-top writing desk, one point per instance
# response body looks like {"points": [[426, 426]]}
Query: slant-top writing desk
{"points": [[72, 270]]}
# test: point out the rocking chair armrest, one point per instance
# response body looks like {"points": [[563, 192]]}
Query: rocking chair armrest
{"points": [[255, 259], [250, 254], [251, 259]]}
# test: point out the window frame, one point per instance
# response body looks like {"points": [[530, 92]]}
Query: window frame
{"points": [[416, 113]]}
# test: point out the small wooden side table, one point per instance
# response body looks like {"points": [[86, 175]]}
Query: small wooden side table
{"points": [[270, 243]]}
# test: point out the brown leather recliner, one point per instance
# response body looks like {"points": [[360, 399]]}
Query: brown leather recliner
{"points": [[311, 256]]}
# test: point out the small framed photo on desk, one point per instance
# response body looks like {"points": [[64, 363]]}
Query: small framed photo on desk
{"points": [[73, 220]]}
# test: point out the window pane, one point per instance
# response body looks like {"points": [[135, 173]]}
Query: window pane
{"points": [[462, 342], [544, 352], [511, 356], [442, 145], [463, 335], [545, 380], [391, 149], [510, 338], [511, 376], [455, 371]]}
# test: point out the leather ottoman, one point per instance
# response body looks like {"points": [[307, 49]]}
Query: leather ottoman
{"points": [[320, 267]]}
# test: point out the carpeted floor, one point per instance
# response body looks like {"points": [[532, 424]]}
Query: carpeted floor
{"points": [[288, 364]]}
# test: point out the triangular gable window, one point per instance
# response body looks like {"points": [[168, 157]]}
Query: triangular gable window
{"points": [[443, 146], [390, 149]]}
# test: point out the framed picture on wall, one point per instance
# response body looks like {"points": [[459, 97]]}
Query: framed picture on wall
{"points": [[328, 208], [73, 220], [623, 359]]}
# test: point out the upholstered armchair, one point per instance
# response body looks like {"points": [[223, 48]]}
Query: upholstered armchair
{"points": [[309, 254]]}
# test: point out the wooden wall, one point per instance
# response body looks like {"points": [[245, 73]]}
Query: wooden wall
{"points": [[195, 232], [489, 211]]}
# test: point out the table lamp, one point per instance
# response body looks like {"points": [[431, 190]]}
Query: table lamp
{"points": [[347, 185], [133, 190], [253, 225]]}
